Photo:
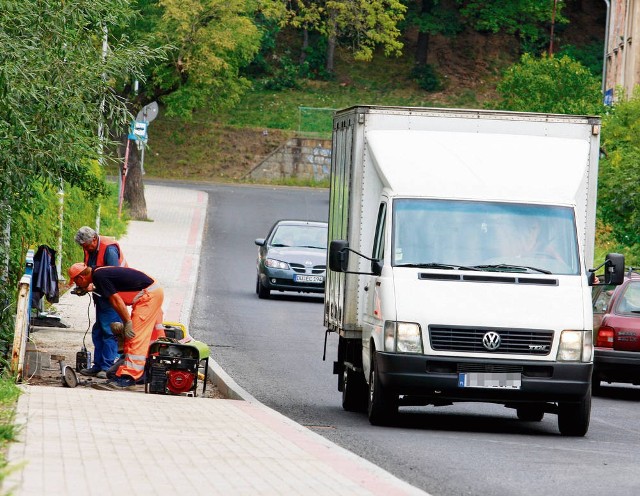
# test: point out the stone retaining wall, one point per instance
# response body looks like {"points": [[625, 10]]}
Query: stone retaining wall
{"points": [[302, 158]]}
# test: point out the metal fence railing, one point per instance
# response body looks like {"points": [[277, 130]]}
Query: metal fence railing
{"points": [[315, 122]]}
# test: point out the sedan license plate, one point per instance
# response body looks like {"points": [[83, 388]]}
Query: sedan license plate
{"points": [[300, 278], [503, 380]]}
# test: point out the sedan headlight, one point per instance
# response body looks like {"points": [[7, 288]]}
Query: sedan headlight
{"points": [[402, 337], [575, 346], [276, 264]]}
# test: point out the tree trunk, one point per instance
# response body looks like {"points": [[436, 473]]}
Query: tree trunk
{"points": [[305, 45], [332, 39], [331, 50], [133, 186], [422, 48]]}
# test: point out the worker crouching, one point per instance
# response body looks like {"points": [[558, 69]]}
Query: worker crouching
{"points": [[124, 286]]}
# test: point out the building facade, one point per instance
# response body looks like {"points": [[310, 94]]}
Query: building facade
{"points": [[622, 60]]}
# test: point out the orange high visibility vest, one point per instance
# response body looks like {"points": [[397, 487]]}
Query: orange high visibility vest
{"points": [[103, 243]]}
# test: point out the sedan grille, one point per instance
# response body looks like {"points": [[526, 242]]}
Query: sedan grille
{"points": [[472, 340], [301, 269]]}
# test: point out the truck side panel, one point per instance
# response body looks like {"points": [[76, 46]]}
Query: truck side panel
{"points": [[339, 311]]}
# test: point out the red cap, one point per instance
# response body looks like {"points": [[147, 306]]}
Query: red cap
{"points": [[76, 269]]}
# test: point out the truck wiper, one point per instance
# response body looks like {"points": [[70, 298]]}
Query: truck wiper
{"points": [[511, 268], [433, 265]]}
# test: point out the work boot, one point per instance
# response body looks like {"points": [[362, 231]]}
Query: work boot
{"points": [[123, 383], [92, 372]]}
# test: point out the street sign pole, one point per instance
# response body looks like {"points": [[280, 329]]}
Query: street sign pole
{"points": [[147, 114]]}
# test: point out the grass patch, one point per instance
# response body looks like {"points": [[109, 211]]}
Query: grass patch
{"points": [[293, 181], [9, 394]]}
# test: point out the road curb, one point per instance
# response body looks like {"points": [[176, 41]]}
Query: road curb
{"points": [[226, 385]]}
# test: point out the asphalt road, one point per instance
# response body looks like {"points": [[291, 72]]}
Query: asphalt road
{"points": [[273, 349]]}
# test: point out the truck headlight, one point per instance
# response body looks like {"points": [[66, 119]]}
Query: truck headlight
{"points": [[575, 346], [402, 337]]}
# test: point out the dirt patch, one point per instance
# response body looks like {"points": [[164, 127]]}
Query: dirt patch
{"points": [[208, 152]]}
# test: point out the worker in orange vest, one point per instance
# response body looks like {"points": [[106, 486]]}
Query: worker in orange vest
{"points": [[124, 286], [101, 251]]}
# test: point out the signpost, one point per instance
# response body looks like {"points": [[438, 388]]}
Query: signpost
{"points": [[138, 132]]}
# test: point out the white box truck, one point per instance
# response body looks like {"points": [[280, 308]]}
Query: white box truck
{"points": [[459, 242]]}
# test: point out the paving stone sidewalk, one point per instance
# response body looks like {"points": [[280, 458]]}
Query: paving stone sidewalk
{"points": [[82, 441]]}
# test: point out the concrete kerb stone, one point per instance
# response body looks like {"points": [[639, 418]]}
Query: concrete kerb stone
{"points": [[226, 385]]}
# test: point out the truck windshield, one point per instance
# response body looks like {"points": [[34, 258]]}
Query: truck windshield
{"points": [[489, 236]]}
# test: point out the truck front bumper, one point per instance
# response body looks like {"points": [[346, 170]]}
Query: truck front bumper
{"points": [[438, 378]]}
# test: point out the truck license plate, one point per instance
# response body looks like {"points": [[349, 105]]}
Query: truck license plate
{"points": [[505, 380], [299, 278]]}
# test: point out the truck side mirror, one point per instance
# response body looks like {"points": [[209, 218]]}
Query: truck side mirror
{"points": [[376, 267], [614, 269], [339, 255]]}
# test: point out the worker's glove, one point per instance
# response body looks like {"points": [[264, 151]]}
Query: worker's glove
{"points": [[128, 330], [117, 328]]}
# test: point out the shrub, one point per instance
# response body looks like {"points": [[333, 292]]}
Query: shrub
{"points": [[557, 85], [427, 77], [619, 173]]}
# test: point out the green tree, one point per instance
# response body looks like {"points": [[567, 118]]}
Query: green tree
{"points": [[208, 43], [431, 17], [619, 176], [529, 20], [550, 84], [212, 40], [55, 88], [360, 25]]}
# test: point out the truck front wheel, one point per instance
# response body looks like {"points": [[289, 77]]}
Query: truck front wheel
{"points": [[354, 391], [573, 418], [383, 405]]}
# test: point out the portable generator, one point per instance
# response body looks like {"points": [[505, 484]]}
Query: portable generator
{"points": [[172, 368]]}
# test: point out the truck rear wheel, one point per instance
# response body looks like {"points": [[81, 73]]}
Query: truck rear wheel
{"points": [[573, 418], [354, 391], [383, 405]]}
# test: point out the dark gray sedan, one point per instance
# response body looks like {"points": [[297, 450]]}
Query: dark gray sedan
{"points": [[292, 257]]}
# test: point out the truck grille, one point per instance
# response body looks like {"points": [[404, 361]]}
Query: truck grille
{"points": [[470, 340]]}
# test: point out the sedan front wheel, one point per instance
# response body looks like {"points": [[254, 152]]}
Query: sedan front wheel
{"points": [[263, 293]]}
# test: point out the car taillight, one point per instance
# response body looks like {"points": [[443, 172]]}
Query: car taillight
{"points": [[605, 337]]}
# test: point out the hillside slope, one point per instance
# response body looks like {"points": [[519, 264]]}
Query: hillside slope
{"points": [[227, 145]]}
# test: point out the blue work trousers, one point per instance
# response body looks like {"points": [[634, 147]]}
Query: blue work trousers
{"points": [[104, 342]]}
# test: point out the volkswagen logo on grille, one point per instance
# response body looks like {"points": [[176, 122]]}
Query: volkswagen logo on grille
{"points": [[491, 340]]}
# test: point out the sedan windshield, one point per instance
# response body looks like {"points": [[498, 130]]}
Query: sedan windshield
{"points": [[500, 237], [300, 236]]}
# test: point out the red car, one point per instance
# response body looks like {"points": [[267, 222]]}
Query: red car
{"points": [[616, 330]]}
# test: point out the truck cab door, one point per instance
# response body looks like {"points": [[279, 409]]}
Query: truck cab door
{"points": [[373, 321]]}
